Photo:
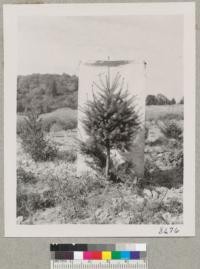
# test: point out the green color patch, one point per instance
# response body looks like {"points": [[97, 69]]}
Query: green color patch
{"points": [[116, 255]]}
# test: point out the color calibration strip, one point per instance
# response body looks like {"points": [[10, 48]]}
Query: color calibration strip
{"points": [[64, 256], [98, 255]]}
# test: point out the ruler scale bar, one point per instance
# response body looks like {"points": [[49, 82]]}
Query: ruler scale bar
{"points": [[98, 265]]}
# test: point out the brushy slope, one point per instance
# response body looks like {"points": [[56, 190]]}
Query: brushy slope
{"points": [[50, 192]]}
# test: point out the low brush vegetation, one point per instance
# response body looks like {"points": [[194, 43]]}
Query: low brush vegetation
{"points": [[48, 188], [91, 199], [25, 176], [172, 130]]}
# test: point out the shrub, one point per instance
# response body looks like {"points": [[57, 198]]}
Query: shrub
{"points": [[22, 208], [72, 195], [49, 199], [171, 130], [33, 140], [25, 177], [174, 206], [29, 203], [67, 155], [162, 140], [150, 169]]}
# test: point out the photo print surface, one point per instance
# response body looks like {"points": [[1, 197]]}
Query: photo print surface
{"points": [[100, 105]]}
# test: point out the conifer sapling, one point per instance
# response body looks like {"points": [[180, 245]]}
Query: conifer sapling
{"points": [[111, 118]]}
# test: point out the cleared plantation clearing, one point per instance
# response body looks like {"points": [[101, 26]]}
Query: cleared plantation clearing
{"points": [[66, 118], [60, 119], [50, 192], [164, 112], [63, 114]]}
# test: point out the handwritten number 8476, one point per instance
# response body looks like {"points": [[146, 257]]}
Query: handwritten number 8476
{"points": [[169, 230]]}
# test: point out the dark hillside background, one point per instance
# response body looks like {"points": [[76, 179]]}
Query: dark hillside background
{"points": [[46, 92]]}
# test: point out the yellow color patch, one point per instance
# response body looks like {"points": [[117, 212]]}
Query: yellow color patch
{"points": [[106, 255]]}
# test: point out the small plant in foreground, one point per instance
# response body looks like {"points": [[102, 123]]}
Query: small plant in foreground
{"points": [[172, 130], [33, 139], [67, 155], [25, 177], [28, 204]]}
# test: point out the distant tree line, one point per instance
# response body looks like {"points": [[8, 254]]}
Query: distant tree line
{"points": [[161, 99], [46, 92]]}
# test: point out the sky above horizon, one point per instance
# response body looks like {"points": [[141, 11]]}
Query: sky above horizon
{"points": [[57, 45]]}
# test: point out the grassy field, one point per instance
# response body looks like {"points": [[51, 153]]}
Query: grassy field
{"points": [[62, 115], [66, 118], [58, 120], [164, 112], [50, 192]]}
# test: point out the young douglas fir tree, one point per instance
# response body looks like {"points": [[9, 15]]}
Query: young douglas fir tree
{"points": [[111, 117]]}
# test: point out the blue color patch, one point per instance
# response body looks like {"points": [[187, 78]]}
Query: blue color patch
{"points": [[125, 255]]}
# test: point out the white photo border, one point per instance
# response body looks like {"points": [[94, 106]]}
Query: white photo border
{"points": [[11, 14]]}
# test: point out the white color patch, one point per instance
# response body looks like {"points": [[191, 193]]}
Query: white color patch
{"points": [[78, 255], [141, 247]]}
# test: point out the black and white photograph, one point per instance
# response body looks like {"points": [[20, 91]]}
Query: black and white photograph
{"points": [[101, 119]]}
